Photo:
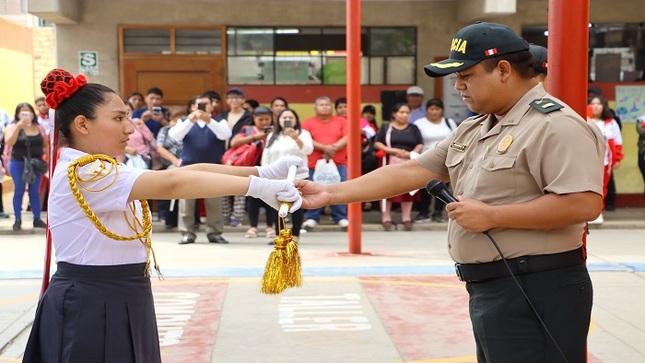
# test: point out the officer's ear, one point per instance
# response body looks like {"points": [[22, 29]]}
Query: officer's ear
{"points": [[504, 68]]}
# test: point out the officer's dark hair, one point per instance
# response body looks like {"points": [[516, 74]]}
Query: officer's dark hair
{"points": [[155, 91], [83, 102], [522, 63]]}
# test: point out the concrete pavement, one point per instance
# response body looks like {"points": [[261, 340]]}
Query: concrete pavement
{"points": [[398, 301]]}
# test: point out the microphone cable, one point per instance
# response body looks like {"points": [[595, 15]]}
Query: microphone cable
{"points": [[439, 189]]}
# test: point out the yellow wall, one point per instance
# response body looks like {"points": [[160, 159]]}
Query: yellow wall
{"points": [[16, 65], [628, 177]]}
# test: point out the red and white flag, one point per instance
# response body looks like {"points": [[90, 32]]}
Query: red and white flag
{"points": [[491, 51]]}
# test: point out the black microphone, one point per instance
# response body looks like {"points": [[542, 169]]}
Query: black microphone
{"points": [[439, 190]]}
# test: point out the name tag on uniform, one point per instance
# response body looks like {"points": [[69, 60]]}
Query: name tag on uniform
{"points": [[458, 147]]}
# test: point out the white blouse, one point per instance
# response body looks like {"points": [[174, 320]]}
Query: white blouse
{"points": [[285, 145], [76, 240]]}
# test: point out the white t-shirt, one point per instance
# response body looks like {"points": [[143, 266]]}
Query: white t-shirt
{"points": [[285, 145], [433, 133], [76, 240], [611, 131]]}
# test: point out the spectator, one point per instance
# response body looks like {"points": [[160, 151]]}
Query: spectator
{"points": [[216, 100], [140, 141], [43, 114], [250, 105], [414, 98], [153, 114], [329, 135], [288, 138], [599, 112], [236, 117], [277, 105], [640, 128], [257, 133], [434, 128], [169, 150], [4, 167], [399, 139], [26, 138], [203, 141], [136, 100]]}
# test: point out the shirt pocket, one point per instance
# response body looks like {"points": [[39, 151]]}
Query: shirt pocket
{"points": [[496, 182]]}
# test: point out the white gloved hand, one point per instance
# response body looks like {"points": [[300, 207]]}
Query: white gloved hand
{"points": [[280, 168], [272, 192]]}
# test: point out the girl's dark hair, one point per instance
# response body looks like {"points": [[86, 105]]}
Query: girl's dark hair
{"points": [[522, 62], [21, 105], [277, 128], [286, 104], [253, 103], [340, 100], [606, 111], [84, 102], [434, 102]]}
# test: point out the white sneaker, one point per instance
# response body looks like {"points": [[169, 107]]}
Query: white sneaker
{"points": [[343, 223], [599, 220], [309, 224]]}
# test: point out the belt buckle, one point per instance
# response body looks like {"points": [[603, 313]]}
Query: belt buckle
{"points": [[458, 272]]}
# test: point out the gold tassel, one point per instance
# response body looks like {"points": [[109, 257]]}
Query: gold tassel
{"points": [[284, 267], [274, 280], [294, 263]]}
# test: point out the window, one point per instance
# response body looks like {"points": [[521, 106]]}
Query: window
{"points": [[317, 56], [616, 51], [172, 40]]}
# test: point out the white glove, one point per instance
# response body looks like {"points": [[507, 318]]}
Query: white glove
{"points": [[272, 192], [280, 168]]}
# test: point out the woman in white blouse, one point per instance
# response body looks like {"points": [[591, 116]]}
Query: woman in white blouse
{"points": [[288, 138]]}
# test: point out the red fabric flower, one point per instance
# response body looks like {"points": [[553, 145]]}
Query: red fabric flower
{"points": [[60, 85]]}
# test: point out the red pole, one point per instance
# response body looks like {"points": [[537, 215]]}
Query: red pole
{"points": [[567, 49], [568, 52], [53, 157], [353, 30]]}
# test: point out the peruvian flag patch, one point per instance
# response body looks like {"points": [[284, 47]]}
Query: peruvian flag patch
{"points": [[491, 51]]}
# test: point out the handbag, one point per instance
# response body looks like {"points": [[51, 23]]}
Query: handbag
{"points": [[326, 172], [32, 166], [28, 175], [243, 155]]}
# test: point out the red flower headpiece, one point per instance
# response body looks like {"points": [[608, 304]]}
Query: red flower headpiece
{"points": [[60, 85]]}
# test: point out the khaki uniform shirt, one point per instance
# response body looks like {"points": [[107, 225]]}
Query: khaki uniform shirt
{"points": [[556, 152]]}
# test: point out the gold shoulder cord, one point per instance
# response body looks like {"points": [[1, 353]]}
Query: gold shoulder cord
{"points": [[101, 172]]}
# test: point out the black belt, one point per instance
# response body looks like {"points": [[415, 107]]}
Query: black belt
{"points": [[519, 265]]}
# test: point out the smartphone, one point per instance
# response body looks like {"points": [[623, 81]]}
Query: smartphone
{"points": [[201, 106], [267, 129], [25, 113], [156, 110], [287, 124]]}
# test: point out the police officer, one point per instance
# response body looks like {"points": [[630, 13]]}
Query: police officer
{"points": [[540, 65], [528, 170]]}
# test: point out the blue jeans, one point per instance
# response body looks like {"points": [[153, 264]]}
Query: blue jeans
{"points": [[338, 211], [15, 169]]}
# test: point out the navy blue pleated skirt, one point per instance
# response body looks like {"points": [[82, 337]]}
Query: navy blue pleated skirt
{"points": [[95, 314]]}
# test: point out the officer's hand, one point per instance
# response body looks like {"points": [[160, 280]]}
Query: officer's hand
{"points": [[471, 214], [280, 168]]}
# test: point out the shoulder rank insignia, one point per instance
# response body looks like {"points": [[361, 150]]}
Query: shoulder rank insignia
{"points": [[545, 105]]}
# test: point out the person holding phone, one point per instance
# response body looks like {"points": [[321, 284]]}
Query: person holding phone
{"points": [[153, 114], [257, 133], [288, 138], [203, 140], [26, 139]]}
